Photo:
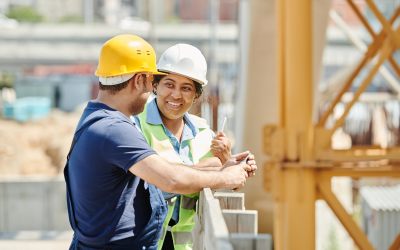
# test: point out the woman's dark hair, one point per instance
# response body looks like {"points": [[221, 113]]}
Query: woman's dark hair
{"points": [[199, 87]]}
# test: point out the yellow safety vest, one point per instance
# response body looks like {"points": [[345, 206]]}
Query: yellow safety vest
{"points": [[199, 149]]}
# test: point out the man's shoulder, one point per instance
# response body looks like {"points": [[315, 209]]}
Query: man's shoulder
{"points": [[101, 117]]}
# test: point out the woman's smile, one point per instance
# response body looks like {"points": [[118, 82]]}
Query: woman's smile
{"points": [[174, 105]]}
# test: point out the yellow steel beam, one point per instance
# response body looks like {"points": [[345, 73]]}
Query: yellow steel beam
{"points": [[361, 17], [355, 232], [394, 65], [385, 24], [372, 50], [372, 33], [386, 52], [294, 192], [359, 154], [396, 244], [298, 79], [277, 187], [280, 45], [359, 173]]}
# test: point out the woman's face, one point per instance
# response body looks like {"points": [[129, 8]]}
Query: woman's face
{"points": [[175, 95]]}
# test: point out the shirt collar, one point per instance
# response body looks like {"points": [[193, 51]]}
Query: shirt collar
{"points": [[153, 114]]}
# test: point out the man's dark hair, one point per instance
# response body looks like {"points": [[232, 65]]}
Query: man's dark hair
{"points": [[199, 87], [113, 89]]}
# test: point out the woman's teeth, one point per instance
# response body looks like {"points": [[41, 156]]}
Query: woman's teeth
{"points": [[174, 104]]}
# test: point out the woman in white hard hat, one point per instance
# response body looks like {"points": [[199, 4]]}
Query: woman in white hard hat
{"points": [[180, 137]]}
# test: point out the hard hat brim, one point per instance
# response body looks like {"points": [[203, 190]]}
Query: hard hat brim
{"points": [[166, 72], [159, 73], [136, 72]]}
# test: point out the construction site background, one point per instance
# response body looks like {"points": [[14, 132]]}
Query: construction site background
{"points": [[50, 48]]}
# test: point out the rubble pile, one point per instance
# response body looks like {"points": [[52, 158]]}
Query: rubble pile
{"points": [[36, 147]]}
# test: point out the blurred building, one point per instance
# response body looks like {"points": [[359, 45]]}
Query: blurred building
{"points": [[381, 215], [189, 10], [51, 10], [113, 11], [346, 13]]}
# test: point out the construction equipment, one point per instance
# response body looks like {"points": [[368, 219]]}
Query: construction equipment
{"points": [[299, 160]]}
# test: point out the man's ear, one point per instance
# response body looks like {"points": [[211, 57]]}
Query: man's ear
{"points": [[134, 82], [155, 85]]}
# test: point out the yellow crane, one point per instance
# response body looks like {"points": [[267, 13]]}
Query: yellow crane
{"points": [[298, 162]]}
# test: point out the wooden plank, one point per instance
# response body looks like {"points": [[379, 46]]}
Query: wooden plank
{"points": [[251, 242], [241, 221], [216, 234], [205, 195], [230, 200], [197, 235], [223, 190]]}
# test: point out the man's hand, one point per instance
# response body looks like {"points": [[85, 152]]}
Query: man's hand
{"points": [[236, 159], [221, 147], [235, 176], [252, 163]]}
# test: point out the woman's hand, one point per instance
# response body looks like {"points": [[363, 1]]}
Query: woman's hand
{"points": [[221, 147], [236, 159]]}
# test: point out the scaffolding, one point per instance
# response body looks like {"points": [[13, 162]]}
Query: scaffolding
{"points": [[301, 160]]}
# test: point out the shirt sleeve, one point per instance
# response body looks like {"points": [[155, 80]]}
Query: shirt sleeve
{"points": [[124, 145], [212, 133]]}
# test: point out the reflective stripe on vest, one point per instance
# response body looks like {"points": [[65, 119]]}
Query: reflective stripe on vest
{"points": [[188, 203], [182, 238], [199, 149]]}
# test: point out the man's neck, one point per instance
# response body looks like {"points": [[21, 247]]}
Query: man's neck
{"points": [[114, 102]]}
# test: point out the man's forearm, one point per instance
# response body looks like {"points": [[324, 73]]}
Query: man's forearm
{"points": [[191, 180], [180, 179], [208, 164]]}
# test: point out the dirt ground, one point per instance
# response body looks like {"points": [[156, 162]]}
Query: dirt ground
{"points": [[37, 147]]}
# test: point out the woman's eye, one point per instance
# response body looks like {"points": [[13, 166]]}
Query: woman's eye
{"points": [[187, 88], [168, 84]]}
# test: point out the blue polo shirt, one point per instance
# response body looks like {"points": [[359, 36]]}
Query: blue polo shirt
{"points": [[190, 130], [110, 203]]}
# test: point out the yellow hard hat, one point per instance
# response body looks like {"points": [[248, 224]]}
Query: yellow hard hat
{"points": [[126, 54]]}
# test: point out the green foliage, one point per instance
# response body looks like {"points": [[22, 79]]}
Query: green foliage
{"points": [[71, 19], [25, 14], [332, 243], [173, 19], [6, 80]]}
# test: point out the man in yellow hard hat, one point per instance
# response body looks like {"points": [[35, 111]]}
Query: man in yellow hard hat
{"points": [[113, 176]]}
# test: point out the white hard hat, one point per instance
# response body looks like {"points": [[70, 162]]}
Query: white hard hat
{"points": [[184, 60]]}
